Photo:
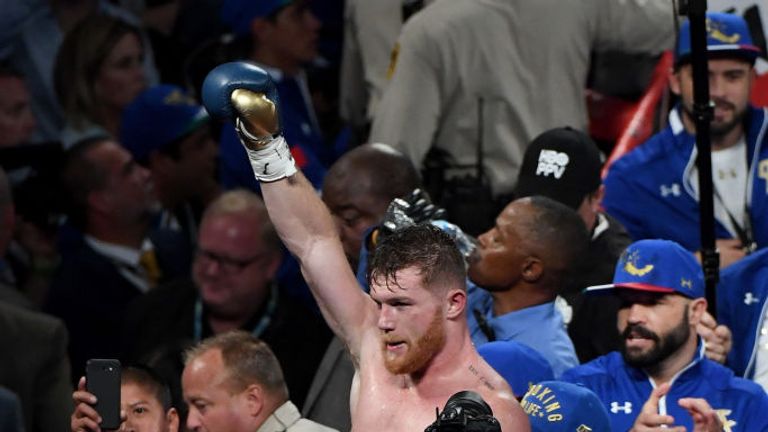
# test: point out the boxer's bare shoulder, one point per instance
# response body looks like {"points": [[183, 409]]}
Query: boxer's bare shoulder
{"points": [[384, 401]]}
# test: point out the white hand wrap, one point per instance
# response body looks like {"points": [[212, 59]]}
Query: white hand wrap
{"points": [[272, 162]]}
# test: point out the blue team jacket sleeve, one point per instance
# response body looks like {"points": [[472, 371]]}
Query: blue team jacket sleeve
{"points": [[742, 302]]}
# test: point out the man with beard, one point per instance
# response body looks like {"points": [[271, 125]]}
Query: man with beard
{"points": [[653, 190], [661, 377], [408, 338], [357, 191]]}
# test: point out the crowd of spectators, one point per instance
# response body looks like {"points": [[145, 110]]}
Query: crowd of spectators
{"points": [[132, 226]]}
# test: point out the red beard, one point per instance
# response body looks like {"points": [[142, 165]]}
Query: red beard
{"points": [[418, 354]]}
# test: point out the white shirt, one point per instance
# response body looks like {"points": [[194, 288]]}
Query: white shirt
{"points": [[126, 260], [729, 178], [729, 175]]}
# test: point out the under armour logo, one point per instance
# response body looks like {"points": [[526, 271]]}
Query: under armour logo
{"points": [[626, 408], [686, 283], [726, 173], [750, 299], [673, 189], [265, 168]]}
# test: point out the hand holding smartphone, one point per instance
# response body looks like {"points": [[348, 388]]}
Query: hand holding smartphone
{"points": [[102, 379]]}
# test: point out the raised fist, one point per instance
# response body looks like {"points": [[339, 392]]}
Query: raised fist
{"points": [[245, 94]]}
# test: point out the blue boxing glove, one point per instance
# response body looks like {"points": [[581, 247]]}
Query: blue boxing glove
{"points": [[245, 94]]}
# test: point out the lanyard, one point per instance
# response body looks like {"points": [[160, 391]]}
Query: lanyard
{"points": [[258, 329], [743, 232], [744, 229]]}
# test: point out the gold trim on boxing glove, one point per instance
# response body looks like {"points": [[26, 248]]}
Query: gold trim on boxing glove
{"points": [[257, 120]]}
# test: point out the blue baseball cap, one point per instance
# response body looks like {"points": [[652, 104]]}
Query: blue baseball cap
{"points": [[658, 266], [238, 14], [157, 117], [554, 406], [726, 33], [517, 363]]}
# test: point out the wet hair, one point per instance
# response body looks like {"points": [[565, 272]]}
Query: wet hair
{"points": [[148, 379], [79, 60], [556, 234], [246, 202], [423, 246], [247, 360], [81, 176]]}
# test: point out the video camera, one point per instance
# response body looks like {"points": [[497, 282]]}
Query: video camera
{"points": [[465, 411]]}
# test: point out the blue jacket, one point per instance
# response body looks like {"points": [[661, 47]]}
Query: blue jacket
{"points": [[742, 405], [649, 190], [741, 303]]}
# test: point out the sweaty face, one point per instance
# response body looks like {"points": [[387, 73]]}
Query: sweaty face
{"points": [[411, 322], [730, 82], [16, 120], [653, 327], [233, 266], [121, 76], [499, 256], [213, 407], [144, 413]]}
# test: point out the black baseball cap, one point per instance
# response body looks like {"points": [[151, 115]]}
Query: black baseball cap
{"points": [[562, 164]]}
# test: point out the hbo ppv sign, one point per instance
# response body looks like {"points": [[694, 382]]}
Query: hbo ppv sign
{"points": [[552, 162]]}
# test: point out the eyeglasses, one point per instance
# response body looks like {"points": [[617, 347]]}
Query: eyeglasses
{"points": [[228, 264]]}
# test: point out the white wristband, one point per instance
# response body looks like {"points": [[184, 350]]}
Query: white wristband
{"points": [[272, 162]]}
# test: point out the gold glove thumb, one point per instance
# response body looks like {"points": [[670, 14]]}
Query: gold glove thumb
{"points": [[257, 117]]}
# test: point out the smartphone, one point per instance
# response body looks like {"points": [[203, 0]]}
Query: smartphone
{"points": [[102, 379]]}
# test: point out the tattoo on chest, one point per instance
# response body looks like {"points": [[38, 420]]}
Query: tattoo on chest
{"points": [[482, 378]]}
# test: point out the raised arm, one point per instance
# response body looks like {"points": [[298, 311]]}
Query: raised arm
{"points": [[305, 226], [244, 94]]}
